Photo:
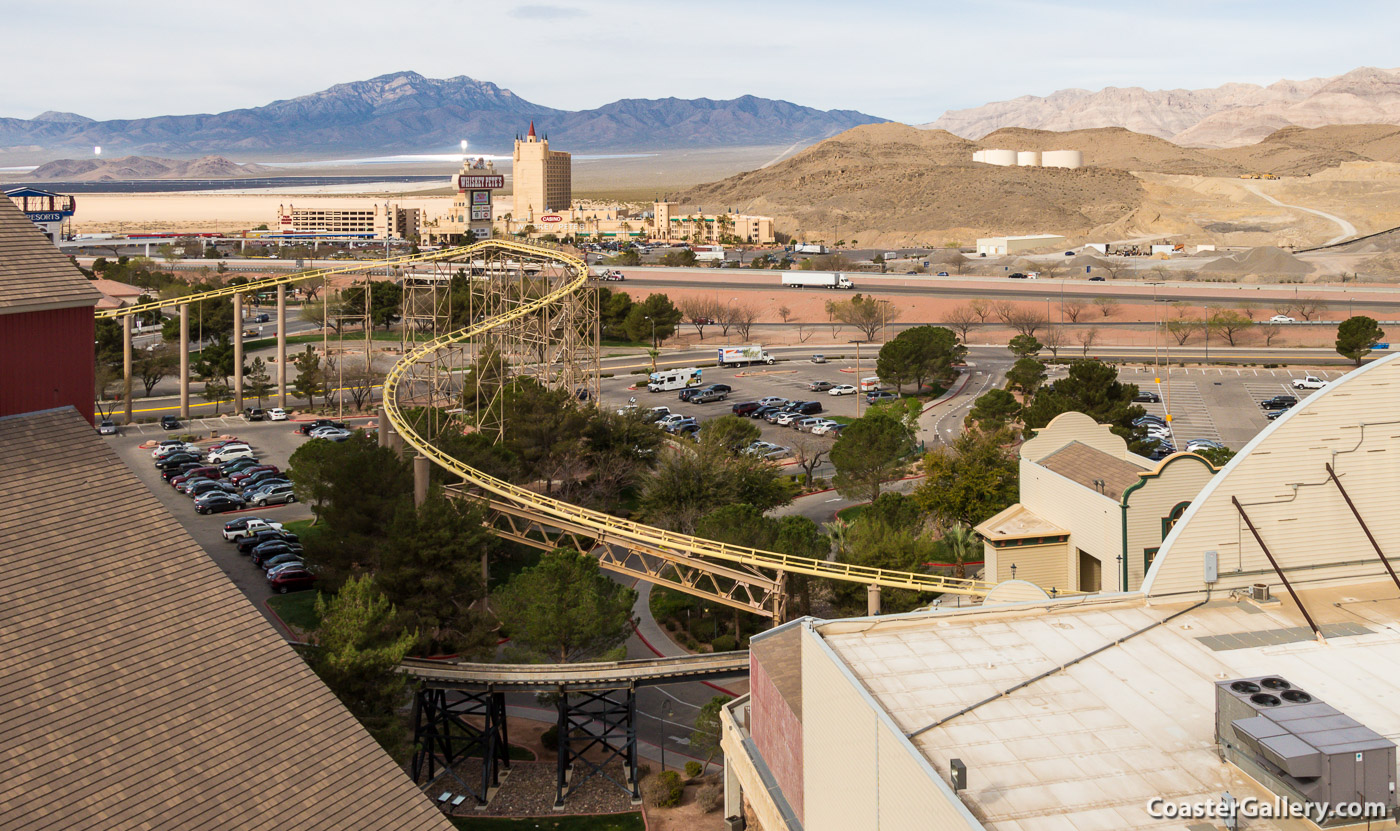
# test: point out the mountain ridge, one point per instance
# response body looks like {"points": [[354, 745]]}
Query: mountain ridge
{"points": [[408, 112]]}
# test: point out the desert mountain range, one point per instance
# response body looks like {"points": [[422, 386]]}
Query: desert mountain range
{"points": [[404, 112], [1228, 116], [892, 183]]}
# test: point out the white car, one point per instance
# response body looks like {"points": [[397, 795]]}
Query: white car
{"points": [[843, 389], [825, 427], [773, 401], [229, 452], [238, 529], [169, 446], [276, 414], [787, 419], [1282, 319], [321, 431], [1311, 382]]}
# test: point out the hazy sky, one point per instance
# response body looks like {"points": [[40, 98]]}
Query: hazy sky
{"points": [[907, 61]]}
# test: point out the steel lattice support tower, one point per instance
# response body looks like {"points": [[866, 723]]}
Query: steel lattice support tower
{"points": [[426, 308], [605, 721], [444, 738]]}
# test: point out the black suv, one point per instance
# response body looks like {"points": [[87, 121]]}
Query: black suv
{"points": [[169, 422], [745, 408], [247, 544], [306, 428], [805, 407], [1279, 402]]}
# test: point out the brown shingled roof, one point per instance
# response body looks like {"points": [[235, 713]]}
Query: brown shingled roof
{"points": [[35, 275], [1083, 464], [139, 687]]}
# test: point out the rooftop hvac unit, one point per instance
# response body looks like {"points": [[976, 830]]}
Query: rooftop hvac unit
{"points": [[1302, 748], [1259, 593]]}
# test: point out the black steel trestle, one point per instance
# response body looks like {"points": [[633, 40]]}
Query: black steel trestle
{"points": [[605, 720], [443, 737]]}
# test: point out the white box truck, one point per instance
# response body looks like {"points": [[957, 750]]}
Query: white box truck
{"points": [[742, 355], [817, 280], [810, 248], [708, 253], [673, 379]]}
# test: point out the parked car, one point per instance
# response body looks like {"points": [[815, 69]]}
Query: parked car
{"points": [[774, 401], [237, 529], [176, 459], [238, 465], [775, 453], [1204, 444], [806, 423], [231, 452], [678, 426], [1149, 419], [179, 470], [806, 408], [254, 413], [667, 420], [271, 549], [260, 487], [333, 434], [203, 486], [820, 386], [1309, 382], [167, 446], [297, 564], [1273, 414], [251, 471], [1148, 397], [1279, 402], [763, 412], [827, 428], [280, 494], [880, 395], [216, 502], [276, 414], [818, 359], [248, 543], [689, 430], [170, 422], [744, 408], [788, 419], [225, 443], [705, 396], [758, 448], [842, 389], [292, 579], [306, 428], [107, 427], [204, 472]]}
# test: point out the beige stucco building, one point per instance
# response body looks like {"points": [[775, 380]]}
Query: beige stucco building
{"points": [[1086, 711], [542, 179], [667, 224], [1001, 246], [1092, 514], [380, 221]]}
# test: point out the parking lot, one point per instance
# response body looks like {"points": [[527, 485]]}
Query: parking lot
{"points": [[785, 379], [272, 442], [1218, 403]]}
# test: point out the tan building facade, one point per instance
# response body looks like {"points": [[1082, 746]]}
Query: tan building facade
{"points": [[1092, 514], [381, 221], [669, 225], [542, 179]]}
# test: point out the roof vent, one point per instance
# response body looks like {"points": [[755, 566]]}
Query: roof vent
{"points": [[1245, 687], [1275, 684], [1265, 700]]}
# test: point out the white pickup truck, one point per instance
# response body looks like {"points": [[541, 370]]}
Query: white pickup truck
{"points": [[240, 528], [1310, 382]]}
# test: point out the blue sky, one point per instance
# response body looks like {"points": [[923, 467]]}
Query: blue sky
{"points": [[908, 61]]}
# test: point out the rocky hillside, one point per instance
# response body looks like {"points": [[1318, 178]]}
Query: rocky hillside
{"points": [[890, 182], [1227, 116], [404, 112], [144, 167]]}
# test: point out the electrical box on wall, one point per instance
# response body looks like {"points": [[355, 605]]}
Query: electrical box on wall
{"points": [[1212, 566]]}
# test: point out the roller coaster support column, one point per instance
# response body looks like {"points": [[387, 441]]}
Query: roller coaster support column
{"points": [[605, 724], [126, 365], [872, 600], [184, 361], [383, 432], [237, 354], [443, 737], [282, 346], [421, 467]]}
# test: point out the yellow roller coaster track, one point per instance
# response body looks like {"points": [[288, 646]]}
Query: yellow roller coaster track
{"points": [[605, 529]]}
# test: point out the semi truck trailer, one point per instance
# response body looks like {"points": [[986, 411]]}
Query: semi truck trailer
{"points": [[818, 280]]}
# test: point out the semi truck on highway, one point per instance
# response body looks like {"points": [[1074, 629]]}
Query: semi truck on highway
{"points": [[810, 248], [743, 355], [818, 280]]}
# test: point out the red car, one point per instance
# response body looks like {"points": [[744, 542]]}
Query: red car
{"points": [[208, 472], [249, 472], [290, 580]]}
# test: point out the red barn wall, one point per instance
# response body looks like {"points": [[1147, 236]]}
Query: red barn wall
{"points": [[46, 361]]}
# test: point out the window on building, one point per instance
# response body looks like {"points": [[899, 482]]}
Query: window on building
{"points": [[1148, 555], [1169, 521]]}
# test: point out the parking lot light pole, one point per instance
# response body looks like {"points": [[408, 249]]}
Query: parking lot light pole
{"points": [[185, 361], [282, 346], [126, 366], [858, 393], [237, 354]]}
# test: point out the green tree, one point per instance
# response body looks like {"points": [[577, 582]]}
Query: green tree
{"points": [[968, 481], [959, 546], [1218, 456], [214, 392], [545, 432], [359, 646], [385, 301], [683, 258], [216, 361], [994, 410], [1356, 336], [654, 317], [730, 433], [1025, 346], [259, 382], [1092, 388], [686, 486], [153, 366], [430, 572], [1026, 375], [564, 609], [705, 738], [919, 354], [1229, 324], [628, 257], [869, 453], [311, 377], [613, 308], [868, 315]]}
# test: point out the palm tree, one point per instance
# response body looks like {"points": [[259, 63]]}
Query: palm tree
{"points": [[837, 531], [961, 545]]}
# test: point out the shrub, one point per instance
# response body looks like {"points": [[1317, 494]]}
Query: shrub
{"points": [[550, 738], [709, 797], [663, 790], [725, 643], [693, 769]]}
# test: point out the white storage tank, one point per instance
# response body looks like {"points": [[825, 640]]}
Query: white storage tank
{"points": [[1028, 158], [1070, 159], [979, 156], [1005, 158]]}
